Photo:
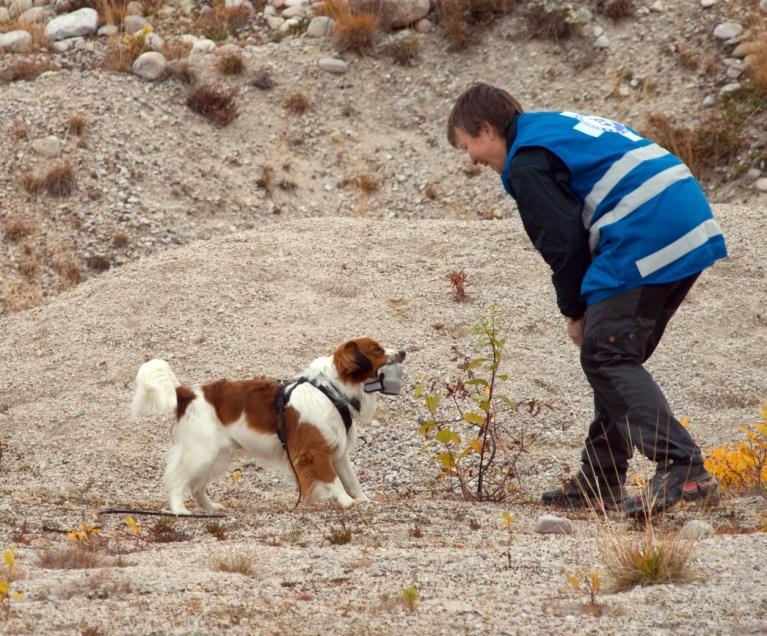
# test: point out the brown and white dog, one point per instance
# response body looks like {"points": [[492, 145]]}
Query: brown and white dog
{"points": [[217, 418]]}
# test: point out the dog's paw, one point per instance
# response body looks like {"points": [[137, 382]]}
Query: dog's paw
{"points": [[177, 511], [364, 499], [215, 507]]}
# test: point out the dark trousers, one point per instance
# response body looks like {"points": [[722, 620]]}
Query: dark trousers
{"points": [[619, 335]]}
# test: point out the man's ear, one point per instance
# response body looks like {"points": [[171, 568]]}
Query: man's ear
{"points": [[488, 129]]}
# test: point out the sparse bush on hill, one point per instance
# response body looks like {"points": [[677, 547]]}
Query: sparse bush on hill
{"points": [[405, 50], [58, 181], [616, 9], [24, 70], [298, 103], [222, 21], [230, 64]]}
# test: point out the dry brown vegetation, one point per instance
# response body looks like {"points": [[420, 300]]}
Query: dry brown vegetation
{"points": [[262, 79], [357, 32], [35, 30], [362, 182], [120, 54], [548, 22], [712, 143], [72, 557], [25, 70], [237, 563], [616, 9], [76, 124], [298, 103], [58, 181], [16, 227], [222, 21], [110, 11], [217, 106], [405, 50], [230, 64]]}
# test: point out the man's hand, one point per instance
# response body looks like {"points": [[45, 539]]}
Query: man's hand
{"points": [[575, 330]]}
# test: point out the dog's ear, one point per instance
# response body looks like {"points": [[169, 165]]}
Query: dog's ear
{"points": [[350, 362]]}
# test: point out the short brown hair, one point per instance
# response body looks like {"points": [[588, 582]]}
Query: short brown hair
{"points": [[478, 104]]}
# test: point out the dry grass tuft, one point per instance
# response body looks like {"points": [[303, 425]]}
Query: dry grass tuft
{"points": [[405, 50], [73, 557], [217, 106], [166, 530], [230, 64], [110, 11], [458, 281], [76, 124], [216, 529], [549, 22], [431, 192], [463, 20], [68, 270], [35, 30], [29, 264], [266, 180], [237, 563], [27, 70], [120, 239], [362, 182], [176, 50], [711, 144], [646, 559], [59, 181], [354, 32], [298, 103], [182, 71], [222, 21], [120, 54], [757, 62], [616, 9], [16, 227]]}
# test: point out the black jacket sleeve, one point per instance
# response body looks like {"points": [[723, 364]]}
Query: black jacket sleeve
{"points": [[551, 214]]}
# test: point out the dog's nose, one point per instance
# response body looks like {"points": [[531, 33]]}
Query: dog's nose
{"points": [[400, 356]]}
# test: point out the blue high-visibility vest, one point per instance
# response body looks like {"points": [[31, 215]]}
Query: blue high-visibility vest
{"points": [[647, 217]]}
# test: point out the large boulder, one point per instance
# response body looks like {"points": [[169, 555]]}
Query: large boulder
{"points": [[393, 14], [78, 23]]}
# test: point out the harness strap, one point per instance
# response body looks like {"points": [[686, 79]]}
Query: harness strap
{"points": [[341, 404]]}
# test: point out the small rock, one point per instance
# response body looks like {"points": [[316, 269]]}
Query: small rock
{"points": [[729, 88], [134, 8], [549, 524], [727, 30], [107, 30], [15, 41], [753, 174], [657, 6], [35, 14], [709, 101], [333, 65], [319, 27], [275, 22], [82, 22], [294, 12], [49, 147], [5, 15], [763, 5], [150, 65], [697, 529], [424, 25], [707, 3], [200, 47], [602, 42], [761, 184], [598, 30]]}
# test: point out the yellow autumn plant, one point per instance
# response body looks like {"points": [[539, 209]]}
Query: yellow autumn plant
{"points": [[742, 465], [6, 579]]}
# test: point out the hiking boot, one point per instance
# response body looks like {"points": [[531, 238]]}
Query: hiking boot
{"points": [[585, 490], [671, 483]]}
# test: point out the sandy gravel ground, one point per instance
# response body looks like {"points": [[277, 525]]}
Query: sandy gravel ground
{"points": [[269, 300]]}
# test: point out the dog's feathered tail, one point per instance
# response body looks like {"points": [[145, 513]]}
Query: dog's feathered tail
{"points": [[155, 389]]}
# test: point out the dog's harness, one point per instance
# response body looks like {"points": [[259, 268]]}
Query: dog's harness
{"points": [[342, 405]]}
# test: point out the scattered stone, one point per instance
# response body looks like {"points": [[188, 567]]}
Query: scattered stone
{"points": [[753, 174], [697, 529], [48, 147], [319, 27], [707, 3], [657, 6], [424, 25], [709, 101], [17, 7], [82, 22], [107, 30], [150, 65], [275, 22], [761, 184], [333, 65], [294, 12], [729, 88], [69, 43], [727, 30], [549, 524], [15, 41], [200, 47], [763, 5], [602, 42], [5, 15], [33, 15]]}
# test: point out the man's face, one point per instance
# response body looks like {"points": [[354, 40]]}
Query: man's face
{"points": [[488, 148]]}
